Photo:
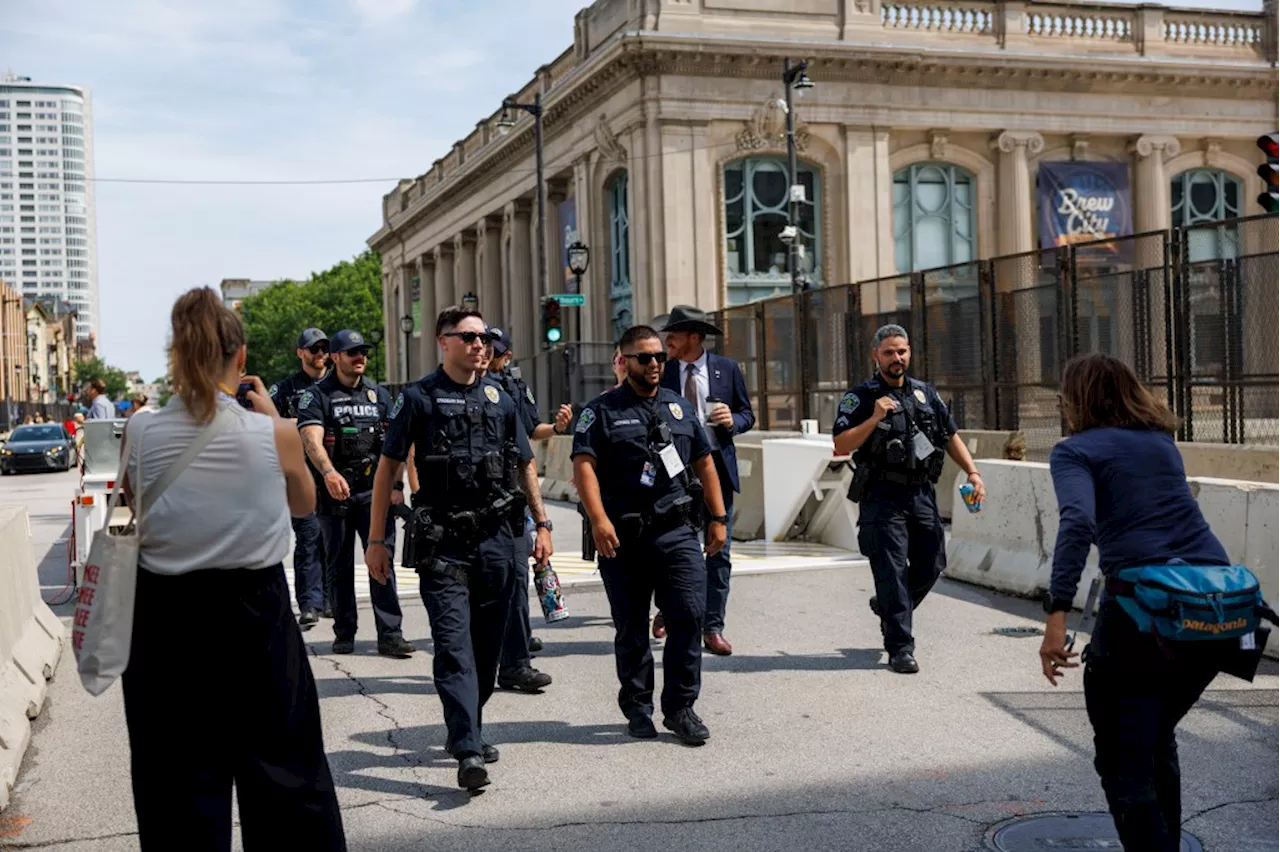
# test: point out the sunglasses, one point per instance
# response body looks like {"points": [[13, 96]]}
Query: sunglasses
{"points": [[317, 348], [470, 337], [647, 358], [363, 352]]}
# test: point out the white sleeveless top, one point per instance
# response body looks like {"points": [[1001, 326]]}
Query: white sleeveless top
{"points": [[228, 509]]}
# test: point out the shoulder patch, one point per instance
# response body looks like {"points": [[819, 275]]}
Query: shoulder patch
{"points": [[395, 409], [305, 399], [676, 411], [849, 403], [921, 397], [585, 420], [528, 392], [274, 389], [491, 393]]}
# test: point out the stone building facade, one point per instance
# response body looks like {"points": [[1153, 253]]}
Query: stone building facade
{"points": [[921, 145]]}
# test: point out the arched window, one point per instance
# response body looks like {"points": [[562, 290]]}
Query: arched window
{"points": [[934, 222], [620, 292], [755, 212], [1198, 196]]}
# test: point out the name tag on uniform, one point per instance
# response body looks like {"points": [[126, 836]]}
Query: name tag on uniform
{"points": [[671, 460], [923, 448], [647, 475]]}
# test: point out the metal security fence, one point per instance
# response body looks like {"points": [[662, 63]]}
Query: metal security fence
{"points": [[1193, 310]]}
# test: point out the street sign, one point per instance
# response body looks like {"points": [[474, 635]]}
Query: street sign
{"points": [[570, 300]]}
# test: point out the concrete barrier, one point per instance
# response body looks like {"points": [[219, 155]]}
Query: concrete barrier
{"points": [[1008, 546], [1231, 461], [982, 444], [31, 640]]}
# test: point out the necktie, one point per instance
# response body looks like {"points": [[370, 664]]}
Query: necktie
{"points": [[691, 387]]}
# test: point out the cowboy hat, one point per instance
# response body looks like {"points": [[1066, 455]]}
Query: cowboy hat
{"points": [[686, 318]]}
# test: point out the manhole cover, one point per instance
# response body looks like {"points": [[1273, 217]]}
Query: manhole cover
{"points": [[1018, 631], [1063, 831]]}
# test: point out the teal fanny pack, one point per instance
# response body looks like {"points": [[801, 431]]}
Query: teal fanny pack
{"points": [[1192, 602]]}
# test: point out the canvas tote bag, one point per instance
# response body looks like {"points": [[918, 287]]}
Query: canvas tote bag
{"points": [[102, 630]]}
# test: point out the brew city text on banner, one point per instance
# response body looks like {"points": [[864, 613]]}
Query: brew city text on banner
{"points": [[1082, 203]]}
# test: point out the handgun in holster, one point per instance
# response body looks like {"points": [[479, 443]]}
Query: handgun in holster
{"points": [[421, 538], [588, 537], [863, 466]]}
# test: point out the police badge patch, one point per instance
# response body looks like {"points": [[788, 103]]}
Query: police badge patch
{"points": [[491, 393], [585, 420], [528, 392], [305, 399], [849, 403], [271, 393], [921, 397], [372, 394], [676, 411], [395, 409]]}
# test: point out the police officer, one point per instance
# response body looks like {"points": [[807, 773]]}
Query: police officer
{"points": [[342, 420], [312, 581], [643, 464], [474, 461], [897, 429], [515, 668]]}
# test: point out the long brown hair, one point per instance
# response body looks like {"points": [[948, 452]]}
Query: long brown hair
{"points": [[206, 336], [1100, 390]]}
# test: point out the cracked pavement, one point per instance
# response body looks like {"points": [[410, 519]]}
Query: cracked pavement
{"points": [[815, 744]]}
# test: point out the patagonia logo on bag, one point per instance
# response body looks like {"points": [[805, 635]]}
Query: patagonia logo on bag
{"points": [[1191, 602]]}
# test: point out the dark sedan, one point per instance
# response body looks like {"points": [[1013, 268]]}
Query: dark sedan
{"points": [[43, 446]]}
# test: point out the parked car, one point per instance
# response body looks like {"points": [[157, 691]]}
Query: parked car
{"points": [[39, 447]]}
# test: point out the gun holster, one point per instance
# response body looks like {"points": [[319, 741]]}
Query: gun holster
{"points": [[588, 537], [858, 484], [422, 537]]}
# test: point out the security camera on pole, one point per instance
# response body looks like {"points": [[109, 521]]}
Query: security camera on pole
{"points": [[794, 77]]}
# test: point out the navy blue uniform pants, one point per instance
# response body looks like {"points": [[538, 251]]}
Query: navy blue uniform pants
{"points": [[1137, 691], [308, 567], [467, 593], [900, 532], [718, 567], [515, 643], [244, 710], [340, 534], [668, 569]]}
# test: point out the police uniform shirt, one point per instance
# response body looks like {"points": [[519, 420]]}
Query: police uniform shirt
{"points": [[423, 408], [328, 401], [286, 393], [520, 393], [857, 406], [614, 428]]}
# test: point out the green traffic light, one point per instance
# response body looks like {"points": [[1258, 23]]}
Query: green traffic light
{"points": [[553, 335]]}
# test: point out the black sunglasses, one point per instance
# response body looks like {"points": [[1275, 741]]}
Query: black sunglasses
{"points": [[362, 352], [470, 337], [647, 358], [317, 348]]}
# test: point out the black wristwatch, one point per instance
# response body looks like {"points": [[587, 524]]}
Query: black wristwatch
{"points": [[399, 486], [719, 519], [544, 525]]}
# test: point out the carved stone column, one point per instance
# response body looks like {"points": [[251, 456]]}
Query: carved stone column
{"points": [[392, 288], [464, 265], [489, 239], [1016, 217], [519, 301], [1151, 210], [428, 349], [443, 256]]}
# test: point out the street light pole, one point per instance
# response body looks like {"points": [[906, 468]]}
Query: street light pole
{"points": [[505, 123], [793, 77]]}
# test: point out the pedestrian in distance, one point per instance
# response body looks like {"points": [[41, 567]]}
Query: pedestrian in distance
{"points": [[476, 467], [899, 431], [240, 709], [643, 465]]}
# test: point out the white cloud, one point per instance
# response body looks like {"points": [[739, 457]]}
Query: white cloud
{"points": [[378, 12]]}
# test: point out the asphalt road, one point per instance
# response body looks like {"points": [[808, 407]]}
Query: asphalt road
{"points": [[815, 744]]}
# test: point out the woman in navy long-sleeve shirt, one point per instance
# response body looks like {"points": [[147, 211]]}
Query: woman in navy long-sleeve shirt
{"points": [[1121, 485]]}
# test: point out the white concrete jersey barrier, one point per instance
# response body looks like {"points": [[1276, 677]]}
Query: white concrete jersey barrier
{"points": [[31, 639], [1008, 546]]}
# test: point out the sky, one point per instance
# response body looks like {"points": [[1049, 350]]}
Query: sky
{"points": [[268, 90]]}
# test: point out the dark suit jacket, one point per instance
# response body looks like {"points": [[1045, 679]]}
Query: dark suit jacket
{"points": [[725, 383]]}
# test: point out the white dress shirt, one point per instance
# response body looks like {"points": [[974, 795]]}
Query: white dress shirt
{"points": [[703, 383]]}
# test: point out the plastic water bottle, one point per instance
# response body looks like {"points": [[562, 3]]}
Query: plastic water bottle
{"points": [[970, 497], [547, 584]]}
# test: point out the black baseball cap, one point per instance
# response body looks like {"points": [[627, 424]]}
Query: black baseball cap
{"points": [[347, 340], [311, 337], [501, 341]]}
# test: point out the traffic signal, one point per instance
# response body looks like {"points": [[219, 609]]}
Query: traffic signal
{"points": [[1269, 171], [551, 330]]}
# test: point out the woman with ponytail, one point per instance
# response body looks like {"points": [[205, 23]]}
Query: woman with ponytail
{"points": [[241, 707]]}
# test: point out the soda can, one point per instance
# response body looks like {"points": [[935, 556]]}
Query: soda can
{"points": [[547, 584], [970, 497]]}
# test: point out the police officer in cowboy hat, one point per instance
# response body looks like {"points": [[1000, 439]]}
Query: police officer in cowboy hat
{"points": [[717, 392]]}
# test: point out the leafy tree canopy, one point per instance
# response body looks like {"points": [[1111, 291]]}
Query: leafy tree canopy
{"points": [[95, 368]]}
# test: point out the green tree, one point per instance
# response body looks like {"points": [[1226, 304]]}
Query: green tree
{"points": [[348, 295], [95, 368]]}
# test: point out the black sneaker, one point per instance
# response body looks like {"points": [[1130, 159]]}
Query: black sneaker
{"points": [[309, 618], [687, 727], [396, 647], [641, 727], [471, 773], [535, 644], [525, 680], [874, 603], [327, 612], [344, 646], [489, 753], [903, 662]]}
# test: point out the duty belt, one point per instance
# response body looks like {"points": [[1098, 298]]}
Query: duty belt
{"points": [[898, 478]]}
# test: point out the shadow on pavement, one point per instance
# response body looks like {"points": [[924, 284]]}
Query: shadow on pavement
{"points": [[850, 659]]}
